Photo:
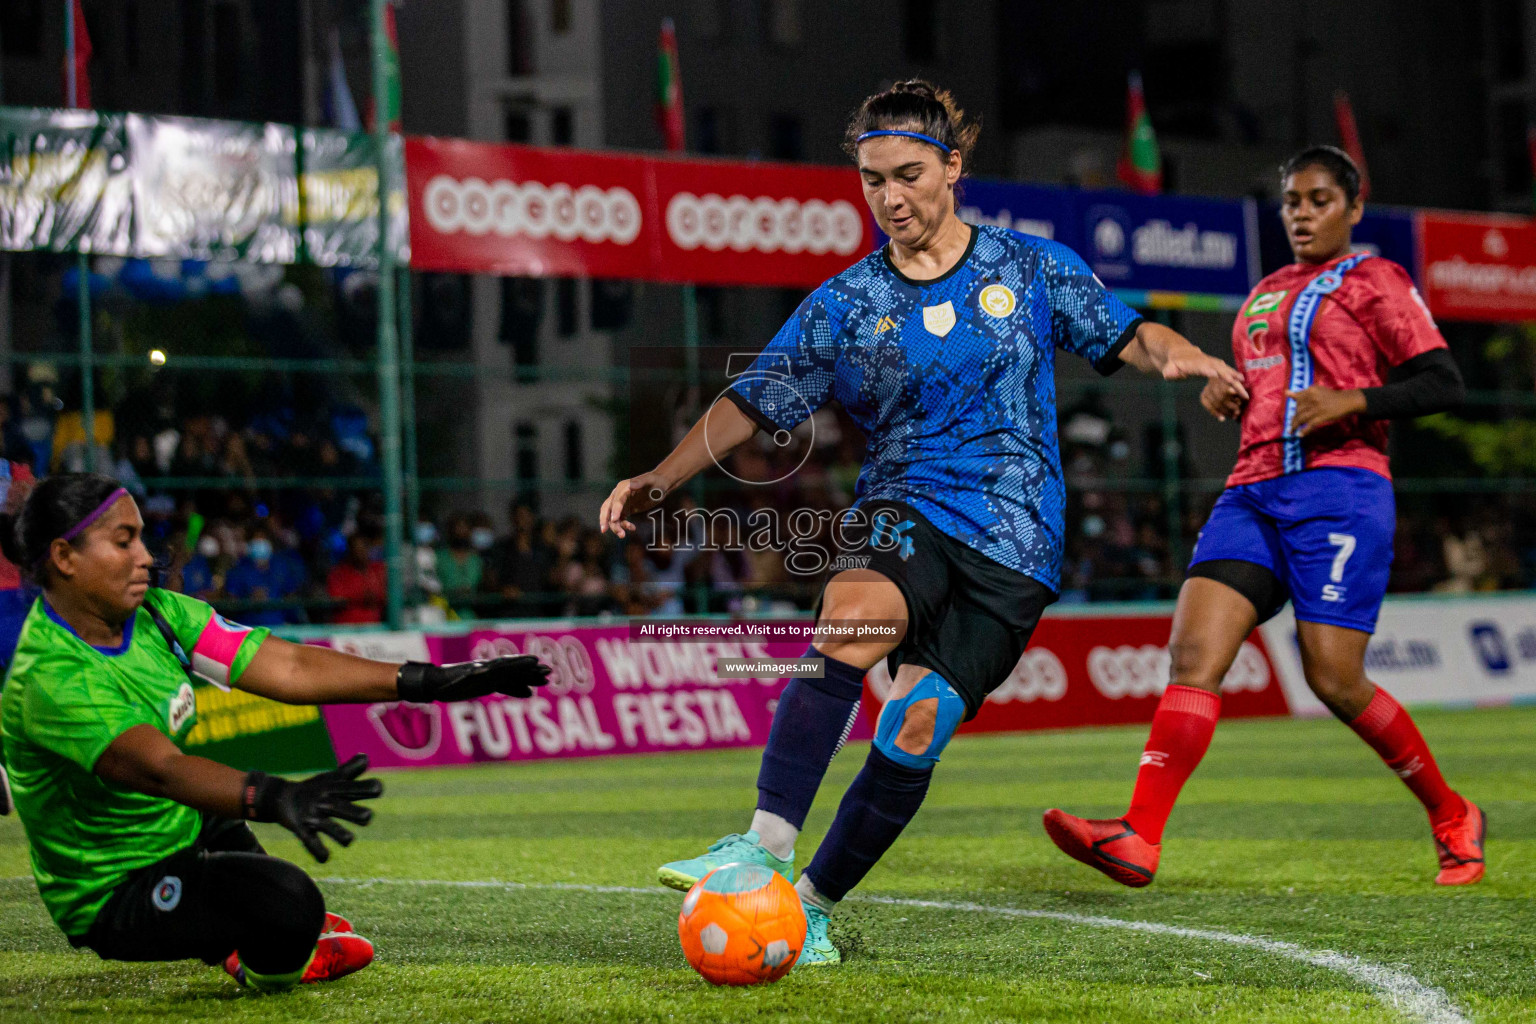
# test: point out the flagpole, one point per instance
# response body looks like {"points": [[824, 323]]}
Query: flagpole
{"points": [[408, 404], [69, 53], [82, 268], [669, 101], [388, 337]]}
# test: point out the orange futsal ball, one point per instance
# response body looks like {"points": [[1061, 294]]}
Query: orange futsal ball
{"points": [[742, 924]]}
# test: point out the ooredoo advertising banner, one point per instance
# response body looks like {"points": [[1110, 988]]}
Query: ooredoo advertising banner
{"points": [[1101, 670], [522, 211], [1478, 266]]}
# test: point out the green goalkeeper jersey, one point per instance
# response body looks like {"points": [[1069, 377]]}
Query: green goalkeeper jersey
{"points": [[63, 704]]}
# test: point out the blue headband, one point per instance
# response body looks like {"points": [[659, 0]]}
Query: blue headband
{"points": [[919, 136]]}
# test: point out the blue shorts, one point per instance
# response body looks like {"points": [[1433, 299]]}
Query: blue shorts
{"points": [[1326, 534]]}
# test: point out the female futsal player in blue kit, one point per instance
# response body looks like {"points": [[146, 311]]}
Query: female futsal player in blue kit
{"points": [[941, 346]]}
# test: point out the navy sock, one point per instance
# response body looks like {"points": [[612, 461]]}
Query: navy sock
{"points": [[882, 799], [812, 720]]}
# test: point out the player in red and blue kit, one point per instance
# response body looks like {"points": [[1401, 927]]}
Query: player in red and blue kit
{"points": [[1330, 347], [941, 346]]}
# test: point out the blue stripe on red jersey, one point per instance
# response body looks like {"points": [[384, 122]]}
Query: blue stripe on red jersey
{"points": [[1299, 332]]}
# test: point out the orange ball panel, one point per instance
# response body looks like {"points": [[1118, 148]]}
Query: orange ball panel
{"points": [[742, 938]]}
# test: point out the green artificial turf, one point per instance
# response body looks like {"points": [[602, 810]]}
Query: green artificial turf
{"points": [[1290, 831]]}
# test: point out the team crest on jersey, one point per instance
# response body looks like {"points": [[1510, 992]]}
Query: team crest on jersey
{"points": [[1256, 331], [939, 320], [182, 706], [1265, 302], [167, 894], [998, 299]]}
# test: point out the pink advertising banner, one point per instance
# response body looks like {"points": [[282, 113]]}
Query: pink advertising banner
{"points": [[652, 686], [607, 695]]}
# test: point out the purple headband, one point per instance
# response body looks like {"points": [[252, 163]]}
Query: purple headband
{"points": [[84, 524]]}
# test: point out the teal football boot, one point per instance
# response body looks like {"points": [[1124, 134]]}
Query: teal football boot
{"points": [[818, 949], [735, 848]]}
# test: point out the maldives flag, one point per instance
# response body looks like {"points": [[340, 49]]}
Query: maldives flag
{"points": [[391, 58], [669, 89], [1349, 134], [77, 57], [1141, 165]]}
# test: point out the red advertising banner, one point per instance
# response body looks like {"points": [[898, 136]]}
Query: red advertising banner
{"points": [[761, 224], [1478, 266], [523, 211], [1102, 670]]}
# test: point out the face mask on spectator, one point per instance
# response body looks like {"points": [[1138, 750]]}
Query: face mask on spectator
{"points": [[261, 550], [426, 534], [208, 547], [482, 538]]}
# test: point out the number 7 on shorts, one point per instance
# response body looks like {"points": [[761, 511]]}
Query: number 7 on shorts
{"points": [[1345, 542]]}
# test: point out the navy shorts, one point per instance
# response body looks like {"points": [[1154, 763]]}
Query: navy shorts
{"points": [[1325, 533], [968, 618]]}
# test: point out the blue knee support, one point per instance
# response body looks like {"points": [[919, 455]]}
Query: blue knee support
{"points": [[951, 711]]}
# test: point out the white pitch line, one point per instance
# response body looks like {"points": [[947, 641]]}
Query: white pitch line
{"points": [[1396, 989]]}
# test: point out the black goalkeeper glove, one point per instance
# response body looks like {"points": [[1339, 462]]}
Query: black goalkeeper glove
{"points": [[307, 807], [517, 676]]}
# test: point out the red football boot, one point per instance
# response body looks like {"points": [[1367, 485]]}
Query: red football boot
{"points": [[337, 954], [1460, 845], [335, 923], [1108, 844]]}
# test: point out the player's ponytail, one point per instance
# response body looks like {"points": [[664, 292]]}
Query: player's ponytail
{"points": [[58, 507], [915, 105]]}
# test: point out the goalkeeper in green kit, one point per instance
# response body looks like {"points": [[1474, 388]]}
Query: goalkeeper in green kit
{"points": [[141, 852]]}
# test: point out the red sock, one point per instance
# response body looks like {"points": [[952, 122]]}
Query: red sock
{"points": [[1181, 732], [1391, 733]]}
